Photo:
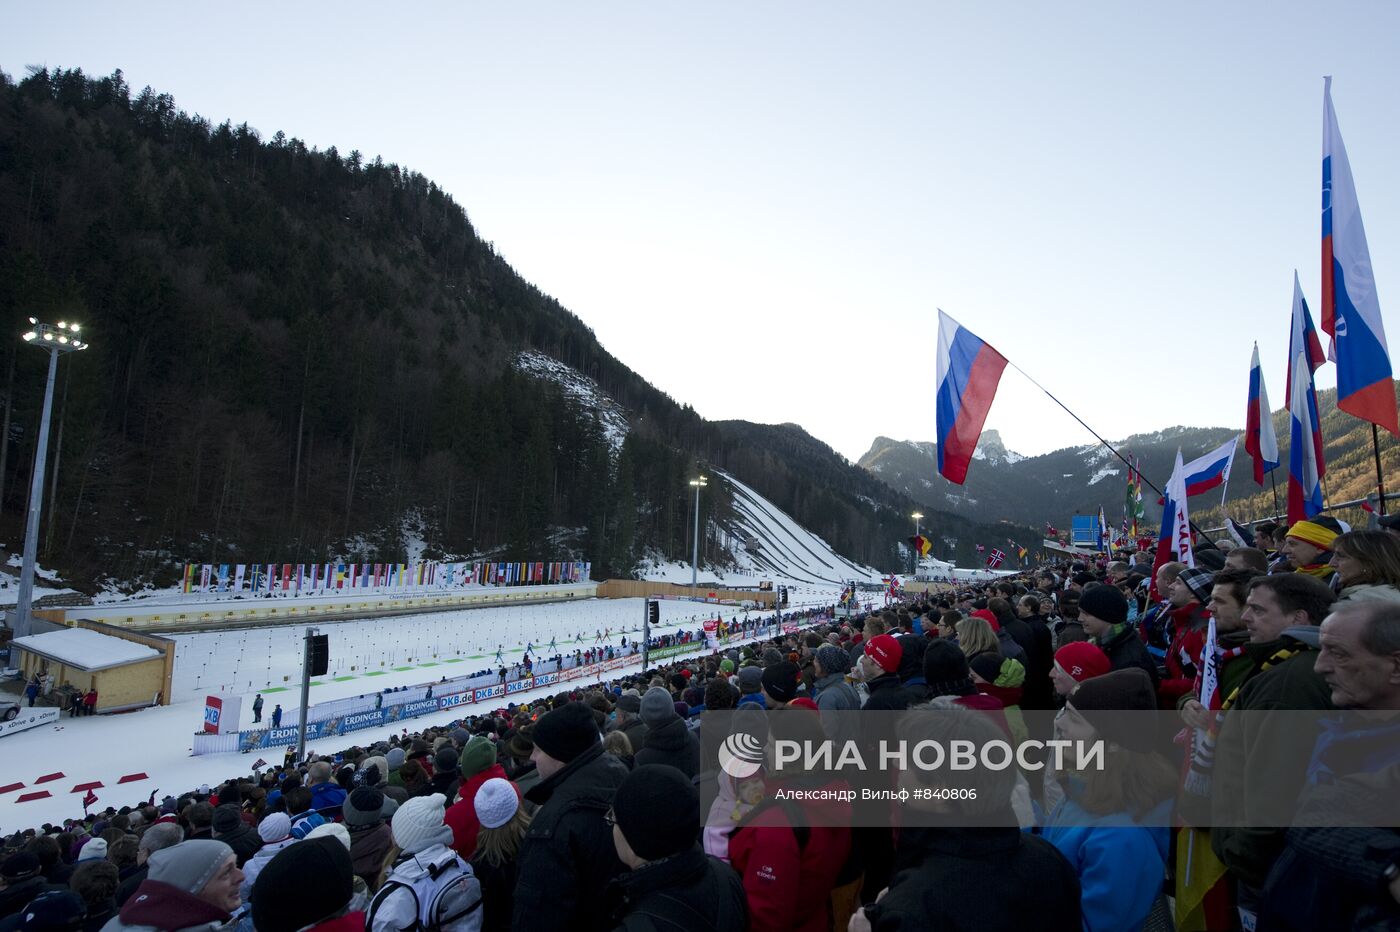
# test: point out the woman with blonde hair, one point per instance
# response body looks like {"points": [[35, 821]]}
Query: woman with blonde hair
{"points": [[1368, 564], [975, 636], [619, 745], [503, 826]]}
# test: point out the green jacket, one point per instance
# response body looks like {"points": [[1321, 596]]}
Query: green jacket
{"points": [[1261, 744]]}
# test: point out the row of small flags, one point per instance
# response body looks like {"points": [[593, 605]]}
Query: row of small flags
{"points": [[268, 578]]}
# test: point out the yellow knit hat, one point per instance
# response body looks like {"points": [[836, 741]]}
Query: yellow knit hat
{"points": [[1315, 534]]}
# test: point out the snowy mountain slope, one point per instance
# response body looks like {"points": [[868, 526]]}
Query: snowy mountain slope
{"points": [[777, 547], [582, 389]]}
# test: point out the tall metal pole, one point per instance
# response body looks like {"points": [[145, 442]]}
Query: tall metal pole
{"points": [[305, 693], [22, 623], [695, 544], [646, 632]]}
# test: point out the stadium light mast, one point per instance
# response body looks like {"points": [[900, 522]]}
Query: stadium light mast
{"points": [[914, 564], [697, 484], [59, 339]]}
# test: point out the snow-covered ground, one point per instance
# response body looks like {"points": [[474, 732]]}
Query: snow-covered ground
{"points": [[157, 741]]}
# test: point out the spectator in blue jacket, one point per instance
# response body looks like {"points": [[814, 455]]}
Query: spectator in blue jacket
{"points": [[1113, 825]]}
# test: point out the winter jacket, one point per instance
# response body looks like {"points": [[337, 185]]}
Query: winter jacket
{"points": [[1369, 593], [1329, 876], [568, 855], [886, 694], [327, 796], [257, 862], [691, 891], [1120, 863], [1259, 743], [369, 846], [1183, 660], [1008, 647], [461, 815], [244, 841], [635, 729], [304, 822], [399, 908], [1022, 881], [789, 874], [1067, 631], [159, 907], [497, 893], [445, 783], [1125, 649], [1040, 658], [14, 898], [1020, 632], [674, 744]]}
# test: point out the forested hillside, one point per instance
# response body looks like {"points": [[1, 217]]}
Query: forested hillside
{"points": [[295, 353]]}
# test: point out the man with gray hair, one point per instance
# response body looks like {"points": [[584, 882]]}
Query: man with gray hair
{"points": [[1347, 812], [324, 793], [158, 836]]}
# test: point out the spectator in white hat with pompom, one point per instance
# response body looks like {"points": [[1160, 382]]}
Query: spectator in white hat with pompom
{"points": [[503, 824]]}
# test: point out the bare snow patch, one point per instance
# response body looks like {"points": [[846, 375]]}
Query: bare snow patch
{"points": [[582, 389]]}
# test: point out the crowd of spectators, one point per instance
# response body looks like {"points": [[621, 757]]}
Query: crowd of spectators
{"points": [[583, 810]]}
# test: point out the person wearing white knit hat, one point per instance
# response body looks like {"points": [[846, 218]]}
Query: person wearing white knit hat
{"points": [[427, 860], [94, 850], [275, 830], [503, 825]]}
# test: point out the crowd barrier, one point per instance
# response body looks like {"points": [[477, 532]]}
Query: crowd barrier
{"points": [[446, 696]]}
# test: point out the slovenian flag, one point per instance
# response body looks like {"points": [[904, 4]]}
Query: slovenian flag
{"points": [[1305, 463], [1351, 311], [968, 373], [1260, 441]]}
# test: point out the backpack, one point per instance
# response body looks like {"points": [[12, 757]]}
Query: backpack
{"points": [[445, 891]]}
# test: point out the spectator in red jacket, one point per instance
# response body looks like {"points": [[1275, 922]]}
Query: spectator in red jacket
{"points": [[790, 853], [477, 764], [1186, 620], [90, 702]]}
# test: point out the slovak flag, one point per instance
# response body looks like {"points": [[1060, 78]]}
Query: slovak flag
{"points": [[1351, 311], [968, 373], [1305, 463], [1260, 441]]}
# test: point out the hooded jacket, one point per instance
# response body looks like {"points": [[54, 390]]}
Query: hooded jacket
{"points": [[244, 841], [568, 857], [461, 815]]}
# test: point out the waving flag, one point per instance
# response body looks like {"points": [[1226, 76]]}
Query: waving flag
{"points": [[1305, 464], [1210, 471], [1174, 540], [981, 549], [995, 559], [968, 373], [1351, 311], [1104, 542], [1260, 441], [921, 544]]}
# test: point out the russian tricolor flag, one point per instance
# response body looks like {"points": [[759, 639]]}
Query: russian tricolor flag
{"points": [[968, 373], [1305, 463], [1212, 470], [1260, 441], [1351, 312]]}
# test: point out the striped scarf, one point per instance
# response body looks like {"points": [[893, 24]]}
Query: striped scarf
{"points": [[1322, 571]]}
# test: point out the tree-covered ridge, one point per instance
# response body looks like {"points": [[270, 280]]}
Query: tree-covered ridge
{"points": [[292, 349]]}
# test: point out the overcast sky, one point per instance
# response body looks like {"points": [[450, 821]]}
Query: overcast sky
{"points": [[758, 207]]}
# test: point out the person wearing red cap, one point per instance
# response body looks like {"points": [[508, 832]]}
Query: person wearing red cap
{"points": [[1076, 662], [879, 668]]}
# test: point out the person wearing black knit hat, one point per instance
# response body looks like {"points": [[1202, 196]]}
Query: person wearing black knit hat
{"points": [[305, 885], [672, 883], [1114, 824], [780, 683], [577, 784], [1103, 611]]}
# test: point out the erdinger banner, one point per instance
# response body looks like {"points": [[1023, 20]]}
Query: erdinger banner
{"points": [[941, 765]]}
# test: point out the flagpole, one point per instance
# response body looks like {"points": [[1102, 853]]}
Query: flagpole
{"points": [[1376, 448], [1274, 479]]}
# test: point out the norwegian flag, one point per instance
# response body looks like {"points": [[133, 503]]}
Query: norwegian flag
{"points": [[995, 559], [981, 549], [1051, 530], [259, 763], [89, 799]]}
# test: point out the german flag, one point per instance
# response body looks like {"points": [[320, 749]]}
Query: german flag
{"points": [[922, 545]]}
